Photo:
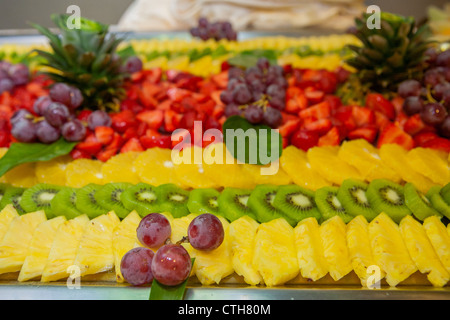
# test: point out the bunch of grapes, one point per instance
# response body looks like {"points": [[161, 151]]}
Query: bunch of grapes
{"points": [[54, 117], [12, 75], [217, 30], [171, 264], [430, 97], [258, 93]]}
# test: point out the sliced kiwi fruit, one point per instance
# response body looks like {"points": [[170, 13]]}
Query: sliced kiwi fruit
{"points": [[437, 201], [13, 195], [329, 204], [233, 203], [87, 203], [445, 193], [296, 203], [39, 197], [352, 195], [141, 197], [64, 204], [173, 199], [418, 203], [203, 200], [109, 198], [3, 187], [388, 197]]}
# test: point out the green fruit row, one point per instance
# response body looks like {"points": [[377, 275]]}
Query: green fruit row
{"points": [[263, 203]]}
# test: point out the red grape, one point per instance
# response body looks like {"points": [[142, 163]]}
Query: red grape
{"points": [[133, 64], [73, 130], [241, 94], [70, 96], [136, 266], [56, 114], [412, 105], [171, 265], [232, 110], [254, 114], [24, 130], [46, 133], [272, 117], [443, 59], [99, 118], [21, 114], [409, 88], [206, 232], [433, 114], [153, 230], [444, 129], [6, 84], [41, 104], [19, 74]]}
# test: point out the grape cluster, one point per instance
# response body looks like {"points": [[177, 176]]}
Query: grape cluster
{"points": [[217, 30], [54, 117], [430, 97], [12, 75], [258, 93], [171, 264]]}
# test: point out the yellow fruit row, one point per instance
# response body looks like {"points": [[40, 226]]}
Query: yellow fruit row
{"points": [[214, 167], [271, 254]]}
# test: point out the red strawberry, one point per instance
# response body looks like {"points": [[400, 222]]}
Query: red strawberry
{"points": [[79, 154], [165, 105], [368, 133], [153, 75], [331, 138], [362, 116], [123, 120], [89, 147], [318, 111], [147, 94], [343, 117], [395, 135], [104, 135], [177, 94], [305, 140], [289, 127], [84, 115], [320, 126], [423, 137], [221, 79], [381, 121], [438, 144], [132, 145], [171, 120], [334, 101], [105, 155], [314, 96], [153, 118], [161, 141], [130, 133], [377, 102], [328, 81], [414, 125]]}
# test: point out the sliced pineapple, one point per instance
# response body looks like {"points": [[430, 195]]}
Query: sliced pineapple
{"points": [[179, 231], [439, 238], [333, 233], [310, 254], [40, 247], [7, 215], [359, 249], [15, 245], [242, 233], [431, 163], [275, 255], [95, 252], [389, 250], [422, 252], [124, 239], [64, 249], [268, 174]]}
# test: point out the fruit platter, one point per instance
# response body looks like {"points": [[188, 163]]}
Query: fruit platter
{"points": [[209, 162]]}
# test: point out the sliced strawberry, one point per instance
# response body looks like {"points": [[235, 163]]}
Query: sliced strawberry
{"points": [[171, 120], [177, 94], [123, 120], [131, 105], [153, 75], [438, 144], [130, 133], [90, 147], [321, 110], [397, 102], [363, 116], [395, 135], [400, 120], [377, 102], [215, 96], [80, 154], [165, 105], [320, 126], [334, 101], [147, 94], [343, 116], [116, 142], [295, 100], [84, 115], [289, 127], [304, 140], [423, 137], [221, 79], [105, 155], [104, 135], [381, 121], [208, 87], [161, 141], [368, 133], [200, 97], [414, 125], [153, 118], [132, 145], [314, 96], [328, 81], [181, 137], [331, 138]]}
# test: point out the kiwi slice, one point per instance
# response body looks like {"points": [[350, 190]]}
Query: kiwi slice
{"points": [[13, 195], [64, 204], [141, 197], [109, 198], [296, 203], [3, 187], [445, 193], [233, 203], [352, 195], [388, 197], [329, 204], [203, 201], [437, 201], [173, 199], [39, 197], [87, 203], [418, 203]]}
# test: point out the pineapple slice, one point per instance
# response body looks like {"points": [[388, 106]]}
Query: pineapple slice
{"points": [[124, 239], [242, 233], [334, 241], [439, 238], [326, 162], [179, 230], [212, 266], [431, 163], [275, 175], [40, 248], [275, 255], [14, 247], [95, 252], [64, 249], [422, 251], [359, 249], [389, 250], [7, 215], [310, 254]]}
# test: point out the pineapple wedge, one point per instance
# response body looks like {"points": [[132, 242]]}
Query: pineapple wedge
{"points": [[275, 255], [431, 163], [360, 250], [64, 249], [422, 252], [40, 249], [389, 250], [333, 233], [14, 247], [95, 252], [124, 239], [242, 233], [439, 238], [310, 254], [7, 215], [179, 230]]}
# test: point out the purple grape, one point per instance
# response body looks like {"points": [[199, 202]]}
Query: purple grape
{"points": [[153, 230], [241, 94], [409, 88], [254, 114], [206, 232], [203, 22], [73, 130], [440, 89], [272, 117], [232, 110], [257, 86], [195, 32], [56, 114], [5, 65], [443, 59], [21, 114], [46, 133], [41, 104], [133, 64], [226, 97], [433, 114], [99, 118], [3, 74], [277, 103], [263, 64], [434, 76], [76, 98], [446, 99], [19, 74], [444, 129], [24, 130], [171, 265], [136, 266], [235, 72], [6, 84], [69, 96], [431, 55], [233, 83], [412, 105]]}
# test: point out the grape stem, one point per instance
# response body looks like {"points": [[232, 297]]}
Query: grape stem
{"points": [[183, 240]]}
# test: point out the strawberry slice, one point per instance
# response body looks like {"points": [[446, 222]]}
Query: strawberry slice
{"points": [[123, 120], [89, 147], [319, 111], [177, 94], [395, 135], [132, 145], [80, 154], [423, 137], [438, 144], [368, 133], [147, 94], [314, 96], [153, 75], [104, 135], [304, 140], [363, 116], [157, 141], [334, 101], [377, 102], [221, 80], [320, 126], [414, 124], [331, 138], [105, 155], [171, 120], [153, 118], [289, 127], [381, 121], [343, 117]]}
